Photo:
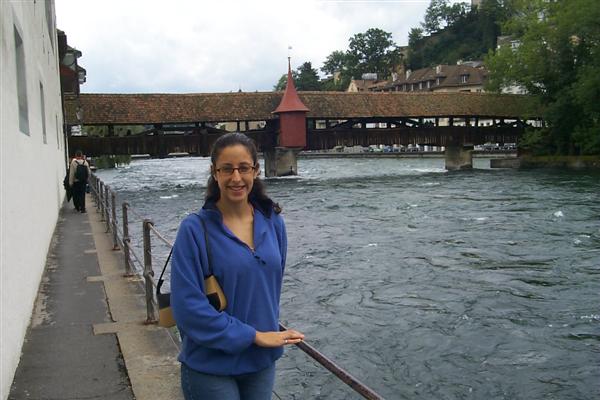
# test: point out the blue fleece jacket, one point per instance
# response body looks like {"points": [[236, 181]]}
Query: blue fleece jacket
{"points": [[222, 343]]}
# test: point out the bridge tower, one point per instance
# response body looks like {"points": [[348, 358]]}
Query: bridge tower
{"points": [[283, 159]]}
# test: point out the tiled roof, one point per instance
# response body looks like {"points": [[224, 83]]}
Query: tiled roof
{"points": [[130, 109], [450, 76], [363, 84]]}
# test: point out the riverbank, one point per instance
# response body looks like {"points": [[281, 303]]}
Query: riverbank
{"points": [[569, 162], [563, 162], [420, 154]]}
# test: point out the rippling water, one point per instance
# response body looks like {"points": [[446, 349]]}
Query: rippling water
{"points": [[423, 284]]}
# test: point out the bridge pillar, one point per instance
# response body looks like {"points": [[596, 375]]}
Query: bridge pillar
{"points": [[281, 161], [459, 156]]}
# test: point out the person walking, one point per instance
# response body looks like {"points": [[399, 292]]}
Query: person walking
{"points": [[231, 354], [79, 173]]}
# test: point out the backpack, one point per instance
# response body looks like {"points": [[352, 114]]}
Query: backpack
{"points": [[81, 172]]}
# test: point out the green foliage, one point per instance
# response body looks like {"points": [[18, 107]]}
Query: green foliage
{"points": [[280, 86], [371, 51], [104, 162], [308, 78], [440, 14], [414, 36], [468, 35], [335, 62], [305, 78], [557, 60], [120, 130]]}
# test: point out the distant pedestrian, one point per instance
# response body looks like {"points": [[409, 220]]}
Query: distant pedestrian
{"points": [[79, 173], [239, 237]]}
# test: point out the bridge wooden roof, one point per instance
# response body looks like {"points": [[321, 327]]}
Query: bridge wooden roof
{"points": [[133, 109]]}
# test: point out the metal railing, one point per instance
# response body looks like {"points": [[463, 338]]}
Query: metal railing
{"points": [[106, 204]]}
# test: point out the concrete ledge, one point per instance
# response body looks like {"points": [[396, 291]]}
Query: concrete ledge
{"points": [[505, 163], [149, 352]]}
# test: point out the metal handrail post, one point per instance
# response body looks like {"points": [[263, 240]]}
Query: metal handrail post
{"points": [[126, 240], [91, 183], [94, 183], [148, 272], [101, 194], [106, 189], [114, 220]]}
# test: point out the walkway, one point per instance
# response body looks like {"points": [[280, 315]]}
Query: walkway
{"points": [[87, 339]]}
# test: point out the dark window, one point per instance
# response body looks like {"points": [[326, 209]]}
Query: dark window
{"points": [[49, 21], [43, 112], [21, 83], [57, 132]]}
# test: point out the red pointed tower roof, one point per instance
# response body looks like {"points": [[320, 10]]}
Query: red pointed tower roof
{"points": [[290, 100]]}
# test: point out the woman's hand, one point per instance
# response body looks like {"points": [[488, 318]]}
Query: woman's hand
{"points": [[277, 339]]}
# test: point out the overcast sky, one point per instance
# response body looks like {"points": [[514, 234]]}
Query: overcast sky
{"points": [[194, 46]]}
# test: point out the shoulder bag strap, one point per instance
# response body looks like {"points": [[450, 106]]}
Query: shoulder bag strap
{"points": [[160, 279], [208, 253]]}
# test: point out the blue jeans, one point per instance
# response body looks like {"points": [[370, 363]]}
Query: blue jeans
{"points": [[200, 386]]}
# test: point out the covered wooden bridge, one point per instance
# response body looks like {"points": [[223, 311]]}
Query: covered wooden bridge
{"points": [[186, 122]]}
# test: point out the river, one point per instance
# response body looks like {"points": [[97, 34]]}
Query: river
{"points": [[422, 283]]}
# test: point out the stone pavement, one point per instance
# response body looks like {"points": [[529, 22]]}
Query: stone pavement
{"points": [[87, 339]]}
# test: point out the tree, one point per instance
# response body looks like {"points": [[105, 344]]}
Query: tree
{"points": [[308, 77], [280, 86], [439, 15], [467, 35], [335, 62], [371, 51], [305, 78], [414, 36], [434, 16], [557, 59]]}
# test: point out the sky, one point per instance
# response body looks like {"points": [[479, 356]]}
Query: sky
{"points": [[195, 46]]}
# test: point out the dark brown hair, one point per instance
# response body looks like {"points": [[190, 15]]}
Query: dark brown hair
{"points": [[258, 195]]}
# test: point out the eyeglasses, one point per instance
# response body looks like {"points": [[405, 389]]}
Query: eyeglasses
{"points": [[243, 169]]}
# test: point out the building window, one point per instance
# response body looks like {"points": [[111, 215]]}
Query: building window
{"points": [[438, 81], [57, 132], [49, 22], [43, 112], [428, 84], [464, 78], [21, 83]]}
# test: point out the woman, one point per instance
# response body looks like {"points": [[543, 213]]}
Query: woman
{"points": [[231, 354]]}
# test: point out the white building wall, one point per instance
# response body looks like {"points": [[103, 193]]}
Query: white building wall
{"points": [[31, 169]]}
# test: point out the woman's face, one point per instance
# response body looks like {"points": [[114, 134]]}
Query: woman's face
{"points": [[236, 185]]}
